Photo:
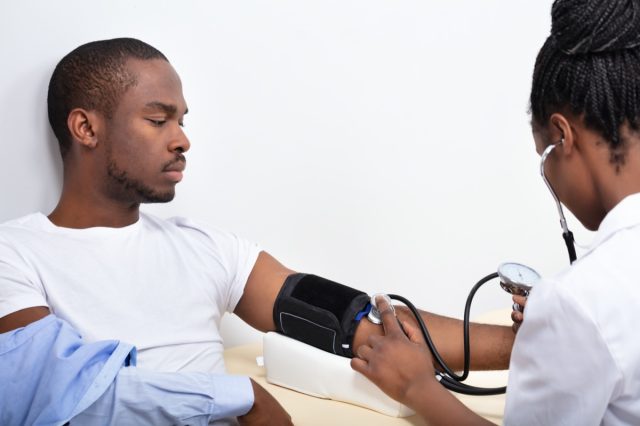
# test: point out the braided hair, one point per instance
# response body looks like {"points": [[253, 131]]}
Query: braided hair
{"points": [[590, 66], [93, 76]]}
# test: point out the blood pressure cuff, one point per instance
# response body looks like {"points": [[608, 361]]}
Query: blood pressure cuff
{"points": [[319, 312]]}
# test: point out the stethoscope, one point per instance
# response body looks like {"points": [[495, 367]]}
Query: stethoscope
{"points": [[567, 235], [515, 278]]}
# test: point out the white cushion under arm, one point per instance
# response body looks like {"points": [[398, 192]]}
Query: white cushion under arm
{"points": [[298, 366]]}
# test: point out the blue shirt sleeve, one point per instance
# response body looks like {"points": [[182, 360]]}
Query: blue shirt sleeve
{"points": [[48, 374], [145, 397]]}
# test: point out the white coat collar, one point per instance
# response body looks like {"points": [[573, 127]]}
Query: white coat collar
{"points": [[625, 214]]}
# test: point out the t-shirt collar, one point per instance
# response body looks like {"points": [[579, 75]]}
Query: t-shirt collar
{"points": [[48, 226]]}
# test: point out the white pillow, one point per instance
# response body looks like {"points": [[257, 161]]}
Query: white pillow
{"points": [[303, 368]]}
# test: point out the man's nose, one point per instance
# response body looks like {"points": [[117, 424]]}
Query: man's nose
{"points": [[180, 142]]}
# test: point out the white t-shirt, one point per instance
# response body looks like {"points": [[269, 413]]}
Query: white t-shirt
{"points": [[162, 285], [576, 358]]}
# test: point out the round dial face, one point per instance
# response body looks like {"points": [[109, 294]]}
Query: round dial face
{"points": [[515, 276]]}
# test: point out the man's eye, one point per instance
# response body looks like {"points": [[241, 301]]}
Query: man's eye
{"points": [[156, 122]]}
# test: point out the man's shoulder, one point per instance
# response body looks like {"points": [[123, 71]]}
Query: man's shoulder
{"points": [[176, 223], [30, 222], [18, 233], [199, 234], [185, 226]]}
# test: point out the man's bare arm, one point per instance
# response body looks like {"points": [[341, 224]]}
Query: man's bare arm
{"points": [[490, 344], [22, 318], [265, 281]]}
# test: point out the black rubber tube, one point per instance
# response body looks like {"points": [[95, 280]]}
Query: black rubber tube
{"points": [[447, 377]]}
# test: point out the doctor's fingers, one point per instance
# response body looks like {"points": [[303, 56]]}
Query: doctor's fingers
{"points": [[389, 320], [517, 317], [414, 335], [520, 300], [364, 352], [360, 365], [372, 369]]}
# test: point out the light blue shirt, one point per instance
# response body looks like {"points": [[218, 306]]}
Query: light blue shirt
{"points": [[50, 376], [143, 397]]}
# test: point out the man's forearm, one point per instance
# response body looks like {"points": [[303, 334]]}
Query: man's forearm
{"points": [[490, 344]]}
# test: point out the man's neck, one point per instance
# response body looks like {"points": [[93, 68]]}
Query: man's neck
{"points": [[75, 215]]}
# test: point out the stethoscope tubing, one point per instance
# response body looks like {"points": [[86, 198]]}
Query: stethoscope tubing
{"points": [[446, 376], [567, 235]]}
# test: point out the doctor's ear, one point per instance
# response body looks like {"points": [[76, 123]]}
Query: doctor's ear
{"points": [[561, 130], [82, 125]]}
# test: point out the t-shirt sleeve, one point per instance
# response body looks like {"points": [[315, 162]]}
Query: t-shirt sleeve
{"points": [[243, 255], [561, 370], [234, 255], [19, 287]]}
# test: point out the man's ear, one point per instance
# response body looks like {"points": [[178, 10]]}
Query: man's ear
{"points": [[83, 125], [560, 129]]}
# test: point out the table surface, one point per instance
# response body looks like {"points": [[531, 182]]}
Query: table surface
{"points": [[307, 410]]}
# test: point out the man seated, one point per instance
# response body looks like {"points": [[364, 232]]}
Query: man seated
{"points": [[112, 272]]}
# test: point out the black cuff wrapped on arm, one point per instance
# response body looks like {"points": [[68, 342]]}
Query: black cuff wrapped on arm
{"points": [[319, 312]]}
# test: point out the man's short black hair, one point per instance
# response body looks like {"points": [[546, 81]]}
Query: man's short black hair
{"points": [[93, 76]]}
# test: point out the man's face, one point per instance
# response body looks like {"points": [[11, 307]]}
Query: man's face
{"points": [[143, 141]]}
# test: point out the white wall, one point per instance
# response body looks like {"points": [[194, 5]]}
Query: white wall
{"points": [[383, 144]]}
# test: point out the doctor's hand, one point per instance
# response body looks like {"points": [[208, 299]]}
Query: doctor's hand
{"points": [[400, 364], [266, 410], [517, 315]]}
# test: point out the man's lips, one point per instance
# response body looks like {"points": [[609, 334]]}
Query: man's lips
{"points": [[174, 169]]}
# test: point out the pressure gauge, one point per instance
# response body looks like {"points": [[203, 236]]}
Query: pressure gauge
{"points": [[516, 278]]}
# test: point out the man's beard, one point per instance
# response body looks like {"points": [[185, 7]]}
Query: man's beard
{"points": [[133, 189]]}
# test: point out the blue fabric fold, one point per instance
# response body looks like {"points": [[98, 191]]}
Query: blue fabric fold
{"points": [[48, 374]]}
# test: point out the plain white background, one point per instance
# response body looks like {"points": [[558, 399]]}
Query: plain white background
{"points": [[382, 144]]}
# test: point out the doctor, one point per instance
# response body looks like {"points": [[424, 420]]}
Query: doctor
{"points": [[576, 358]]}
